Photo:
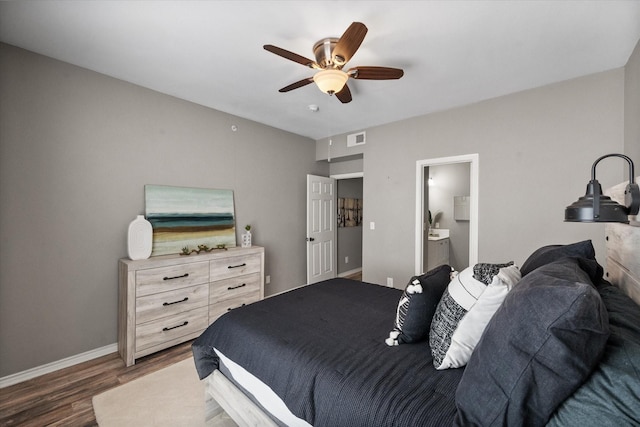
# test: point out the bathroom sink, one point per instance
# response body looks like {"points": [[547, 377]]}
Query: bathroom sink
{"points": [[438, 234]]}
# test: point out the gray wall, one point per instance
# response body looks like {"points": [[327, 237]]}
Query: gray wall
{"points": [[349, 238], [76, 150], [346, 165], [632, 110], [535, 153]]}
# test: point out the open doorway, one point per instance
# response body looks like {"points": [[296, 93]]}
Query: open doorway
{"points": [[445, 201], [446, 205], [349, 231]]}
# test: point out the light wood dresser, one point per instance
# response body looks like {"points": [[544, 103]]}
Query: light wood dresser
{"points": [[169, 299]]}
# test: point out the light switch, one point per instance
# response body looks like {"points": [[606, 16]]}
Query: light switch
{"points": [[372, 225]]}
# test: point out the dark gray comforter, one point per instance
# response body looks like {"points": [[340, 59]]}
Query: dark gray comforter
{"points": [[321, 349]]}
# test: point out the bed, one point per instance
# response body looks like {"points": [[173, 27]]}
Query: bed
{"points": [[332, 354]]}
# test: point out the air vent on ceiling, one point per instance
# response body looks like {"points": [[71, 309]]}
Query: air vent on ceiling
{"points": [[356, 139]]}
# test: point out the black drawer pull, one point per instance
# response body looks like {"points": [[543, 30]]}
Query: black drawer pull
{"points": [[176, 277], [174, 327], [232, 308], [230, 288], [176, 302], [237, 266]]}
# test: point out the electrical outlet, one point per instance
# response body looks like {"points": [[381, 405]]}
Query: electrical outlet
{"points": [[390, 282], [267, 280], [346, 260]]}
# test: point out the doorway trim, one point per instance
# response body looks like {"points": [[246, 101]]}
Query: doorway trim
{"points": [[347, 175], [474, 160]]}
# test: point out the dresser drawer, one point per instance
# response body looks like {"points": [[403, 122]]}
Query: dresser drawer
{"points": [[233, 266], [161, 279], [159, 331], [234, 287], [163, 304], [219, 308]]}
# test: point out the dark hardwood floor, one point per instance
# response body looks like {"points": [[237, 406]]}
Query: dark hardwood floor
{"points": [[63, 398], [356, 276]]}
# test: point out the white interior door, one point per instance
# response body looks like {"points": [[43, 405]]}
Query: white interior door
{"points": [[321, 228]]}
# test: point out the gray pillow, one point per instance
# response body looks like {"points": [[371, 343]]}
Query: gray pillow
{"points": [[611, 395], [551, 253], [541, 344]]}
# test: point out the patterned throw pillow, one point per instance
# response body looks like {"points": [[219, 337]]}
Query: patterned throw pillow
{"points": [[465, 309], [417, 305], [486, 272]]}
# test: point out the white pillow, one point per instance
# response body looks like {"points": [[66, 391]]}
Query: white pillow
{"points": [[464, 312]]}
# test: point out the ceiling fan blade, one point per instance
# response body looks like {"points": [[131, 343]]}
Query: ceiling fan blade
{"points": [[297, 85], [375, 73], [291, 56], [344, 95], [349, 43]]}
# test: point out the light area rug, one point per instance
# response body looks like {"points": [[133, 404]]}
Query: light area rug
{"points": [[172, 396]]}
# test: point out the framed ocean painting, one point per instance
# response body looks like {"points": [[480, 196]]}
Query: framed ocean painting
{"points": [[187, 217]]}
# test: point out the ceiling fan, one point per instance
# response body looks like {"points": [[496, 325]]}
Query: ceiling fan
{"points": [[331, 55]]}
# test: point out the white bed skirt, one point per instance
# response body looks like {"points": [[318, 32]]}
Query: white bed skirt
{"points": [[219, 388]]}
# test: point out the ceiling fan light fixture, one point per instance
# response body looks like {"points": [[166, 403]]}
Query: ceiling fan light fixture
{"points": [[331, 55], [330, 81]]}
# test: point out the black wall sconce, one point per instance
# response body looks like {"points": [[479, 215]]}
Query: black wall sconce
{"points": [[596, 207]]}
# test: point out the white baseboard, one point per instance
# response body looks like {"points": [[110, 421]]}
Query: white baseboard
{"points": [[288, 290], [55, 366], [350, 272]]}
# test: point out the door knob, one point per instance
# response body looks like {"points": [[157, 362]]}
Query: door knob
{"points": [[310, 239]]}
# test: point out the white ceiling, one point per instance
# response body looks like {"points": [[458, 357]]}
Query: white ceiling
{"points": [[210, 52]]}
